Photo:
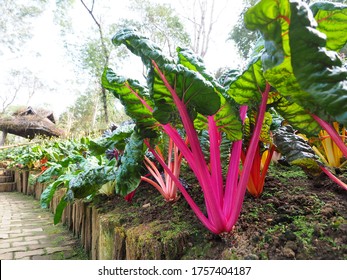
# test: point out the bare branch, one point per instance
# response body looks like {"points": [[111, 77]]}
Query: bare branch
{"points": [[104, 50]]}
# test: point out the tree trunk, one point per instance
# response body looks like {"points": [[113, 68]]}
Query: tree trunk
{"points": [[104, 101], [3, 138]]}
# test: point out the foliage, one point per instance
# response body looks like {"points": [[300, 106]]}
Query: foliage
{"points": [[298, 152], [293, 48], [177, 99], [161, 24], [301, 62], [221, 128], [244, 39], [15, 22], [163, 181]]}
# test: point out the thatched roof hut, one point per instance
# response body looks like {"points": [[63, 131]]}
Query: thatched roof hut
{"points": [[29, 123]]}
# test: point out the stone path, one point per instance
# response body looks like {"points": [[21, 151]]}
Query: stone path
{"points": [[27, 232]]}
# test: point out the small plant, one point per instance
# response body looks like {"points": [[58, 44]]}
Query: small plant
{"points": [[327, 150], [164, 183]]}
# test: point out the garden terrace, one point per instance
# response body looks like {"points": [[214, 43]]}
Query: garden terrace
{"points": [[296, 218]]}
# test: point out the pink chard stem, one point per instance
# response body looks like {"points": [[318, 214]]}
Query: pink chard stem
{"points": [[186, 195], [333, 134], [247, 166], [215, 160], [334, 178], [233, 170], [201, 171]]}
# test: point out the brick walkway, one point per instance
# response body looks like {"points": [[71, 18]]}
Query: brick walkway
{"points": [[27, 232]]}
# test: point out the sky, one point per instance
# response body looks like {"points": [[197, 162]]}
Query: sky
{"points": [[46, 57]]}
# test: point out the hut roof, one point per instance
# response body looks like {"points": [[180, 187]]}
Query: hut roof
{"points": [[29, 123]]}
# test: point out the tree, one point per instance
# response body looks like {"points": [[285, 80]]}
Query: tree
{"points": [[16, 22], [244, 38], [80, 118], [201, 17], [161, 24], [19, 82], [105, 53], [22, 82], [85, 116]]}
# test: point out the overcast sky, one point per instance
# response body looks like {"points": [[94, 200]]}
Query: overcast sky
{"points": [[45, 55]]}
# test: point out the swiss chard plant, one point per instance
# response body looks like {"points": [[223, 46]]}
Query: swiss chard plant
{"points": [[87, 169], [301, 62], [181, 94], [299, 152], [327, 150], [162, 180]]}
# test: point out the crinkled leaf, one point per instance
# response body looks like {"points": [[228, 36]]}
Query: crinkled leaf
{"points": [[130, 93], [228, 77], [294, 114], [227, 117], [190, 86], [247, 87], [315, 80], [48, 193], [90, 179], [54, 170], [332, 21], [117, 139], [141, 46], [318, 71], [265, 129], [197, 93], [271, 18], [128, 174], [228, 121], [71, 159], [296, 150], [192, 61]]}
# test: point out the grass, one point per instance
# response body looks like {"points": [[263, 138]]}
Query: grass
{"points": [[284, 173]]}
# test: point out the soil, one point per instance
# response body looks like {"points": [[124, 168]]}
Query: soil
{"points": [[296, 217]]}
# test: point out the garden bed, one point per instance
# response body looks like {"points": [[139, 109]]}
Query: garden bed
{"points": [[296, 218]]}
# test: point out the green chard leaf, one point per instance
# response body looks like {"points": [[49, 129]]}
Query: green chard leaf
{"points": [[192, 61], [116, 140], [88, 182], [296, 62], [293, 113], [60, 209], [128, 174], [296, 150], [135, 98], [197, 93], [318, 71], [190, 86], [48, 193], [141, 46], [227, 117], [247, 87], [332, 21]]}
